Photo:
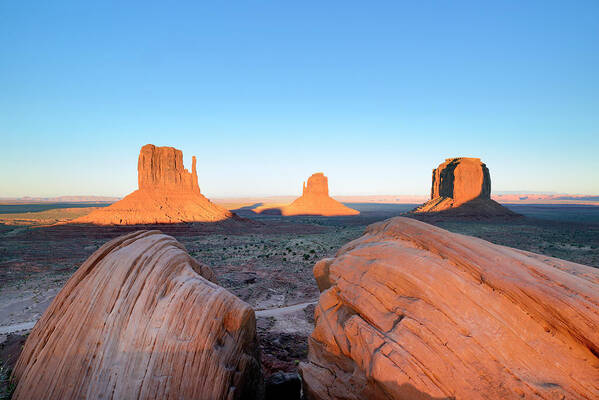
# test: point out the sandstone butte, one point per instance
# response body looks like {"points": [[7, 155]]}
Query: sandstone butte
{"points": [[168, 193], [141, 319], [411, 311], [315, 200], [462, 187]]}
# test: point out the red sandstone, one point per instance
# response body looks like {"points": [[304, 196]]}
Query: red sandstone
{"points": [[462, 187], [411, 311], [167, 193], [315, 200], [141, 319]]}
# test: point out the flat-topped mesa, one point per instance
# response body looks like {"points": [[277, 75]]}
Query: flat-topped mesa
{"points": [[162, 168], [461, 186], [168, 193], [462, 179], [318, 185], [315, 200]]}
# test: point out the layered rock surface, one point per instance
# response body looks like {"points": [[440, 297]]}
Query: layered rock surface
{"points": [[315, 200], [462, 179], [465, 184], [410, 311], [161, 168], [168, 193], [141, 319]]}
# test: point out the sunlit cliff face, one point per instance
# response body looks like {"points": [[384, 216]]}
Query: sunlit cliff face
{"points": [[162, 168], [462, 186], [462, 179], [315, 200], [168, 193], [318, 185]]}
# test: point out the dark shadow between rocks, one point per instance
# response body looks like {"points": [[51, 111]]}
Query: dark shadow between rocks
{"points": [[247, 208]]}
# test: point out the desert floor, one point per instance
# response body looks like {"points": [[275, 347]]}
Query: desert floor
{"points": [[266, 260]]}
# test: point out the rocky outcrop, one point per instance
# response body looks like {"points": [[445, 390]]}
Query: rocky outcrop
{"points": [[318, 186], [141, 319], [161, 168], [411, 311], [462, 179], [462, 187], [315, 200], [168, 193]]}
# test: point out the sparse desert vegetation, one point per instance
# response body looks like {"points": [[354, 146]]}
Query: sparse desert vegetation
{"points": [[267, 262]]}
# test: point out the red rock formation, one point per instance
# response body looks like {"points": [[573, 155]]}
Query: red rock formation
{"points": [[411, 311], [168, 193], [315, 200], [141, 319], [465, 184], [318, 185], [462, 179], [161, 168]]}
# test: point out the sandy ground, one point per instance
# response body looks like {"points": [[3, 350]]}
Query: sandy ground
{"points": [[518, 199], [48, 217], [267, 261]]}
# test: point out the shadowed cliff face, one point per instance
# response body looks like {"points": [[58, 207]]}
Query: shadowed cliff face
{"points": [[462, 179], [462, 184], [168, 193]]}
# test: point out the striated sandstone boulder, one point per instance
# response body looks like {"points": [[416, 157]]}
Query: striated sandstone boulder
{"points": [[462, 187], [315, 200], [411, 311], [168, 193], [141, 319]]}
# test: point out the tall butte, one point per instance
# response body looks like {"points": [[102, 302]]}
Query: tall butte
{"points": [[168, 193], [462, 187], [315, 200]]}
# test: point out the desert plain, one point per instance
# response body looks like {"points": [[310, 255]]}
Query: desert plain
{"points": [[266, 260], [298, 298]]}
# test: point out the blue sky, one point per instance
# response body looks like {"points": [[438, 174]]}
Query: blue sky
{"points": [[374, 94]]}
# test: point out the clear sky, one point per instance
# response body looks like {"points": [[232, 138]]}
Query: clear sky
{"points": [[264, 93]]}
